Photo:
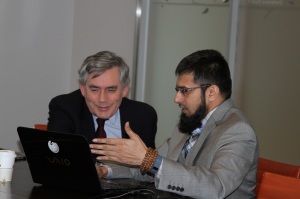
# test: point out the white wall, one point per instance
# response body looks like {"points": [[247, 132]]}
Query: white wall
{"points": [[176, 29], [35, 54], [42, 45], [102, 25], [269, 76]]}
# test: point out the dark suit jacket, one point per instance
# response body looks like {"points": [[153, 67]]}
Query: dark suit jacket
{"points": [[69, 113]]}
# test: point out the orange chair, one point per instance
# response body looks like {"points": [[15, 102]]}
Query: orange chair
{"points": [[275, 186], [41, 126], [265, 165]]}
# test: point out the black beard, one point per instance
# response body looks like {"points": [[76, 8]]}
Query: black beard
{"points": [[187, 124]]}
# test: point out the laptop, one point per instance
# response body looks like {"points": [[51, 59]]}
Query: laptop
{"points": [[64, 160]]}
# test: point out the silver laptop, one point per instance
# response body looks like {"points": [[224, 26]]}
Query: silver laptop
{"points": [[64, 160]]}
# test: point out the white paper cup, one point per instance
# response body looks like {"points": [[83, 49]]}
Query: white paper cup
{"points": [[7, 159], [5, 174], [5, 188]]}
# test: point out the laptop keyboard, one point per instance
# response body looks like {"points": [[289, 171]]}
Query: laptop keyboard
{"points": [[119, 189], [107, 184]]}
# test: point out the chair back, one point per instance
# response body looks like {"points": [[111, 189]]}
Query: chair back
{"points": [[265, 165], [41, 126], [275, 186]]}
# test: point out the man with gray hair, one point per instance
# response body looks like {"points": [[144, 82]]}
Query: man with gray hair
{"points": [[103, 87]]}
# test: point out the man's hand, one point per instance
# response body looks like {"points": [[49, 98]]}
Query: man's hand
{"points": [[102, 171], [126, 151]]}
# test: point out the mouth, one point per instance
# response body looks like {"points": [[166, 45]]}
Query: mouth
{"points": [[102, 108], [182, 107]]}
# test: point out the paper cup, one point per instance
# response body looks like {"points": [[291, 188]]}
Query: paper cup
{"points": [[7, 159], [5, 188], [5, 175]]}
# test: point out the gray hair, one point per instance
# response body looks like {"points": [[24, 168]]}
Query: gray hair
{"points": [[100, 62]]}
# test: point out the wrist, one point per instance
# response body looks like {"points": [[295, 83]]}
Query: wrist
{"points": [[148, 161], [156, 165]]}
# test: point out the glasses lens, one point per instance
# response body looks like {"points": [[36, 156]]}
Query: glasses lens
{"points": [[182, 90]]}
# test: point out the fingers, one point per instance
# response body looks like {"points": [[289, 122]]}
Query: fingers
{"points": [[103, 151], [112, 141], [106, 147], [128, 151], [100, 149], [128, 130], [107, 152], [112, 156]]}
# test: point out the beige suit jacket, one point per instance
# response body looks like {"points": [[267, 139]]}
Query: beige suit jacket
{"points": [[221, 164]]}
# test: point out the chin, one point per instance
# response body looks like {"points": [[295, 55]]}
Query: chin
{"points": [[186, 114]]}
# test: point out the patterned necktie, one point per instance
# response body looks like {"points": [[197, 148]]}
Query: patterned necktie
{"points": [[100, 132], [191, 141]]}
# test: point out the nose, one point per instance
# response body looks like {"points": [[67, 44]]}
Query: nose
{"points": [[178, 98], [102, 96]]}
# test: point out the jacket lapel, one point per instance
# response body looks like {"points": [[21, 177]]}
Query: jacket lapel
{"points": [[88, 125], [174, 155], [199, 143], [212, 122], [124, 116]]}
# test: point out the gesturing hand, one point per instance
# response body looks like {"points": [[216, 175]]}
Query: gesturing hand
{"points": [[127, 151]]}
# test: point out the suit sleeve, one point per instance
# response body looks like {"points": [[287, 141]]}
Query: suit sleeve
{"points": [[59, 119]]}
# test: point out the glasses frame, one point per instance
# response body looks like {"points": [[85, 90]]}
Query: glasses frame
{"points": [[184, 90]]}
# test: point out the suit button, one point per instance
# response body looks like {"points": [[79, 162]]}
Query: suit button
{"points": [[177, 188], [169, 187], [182, 189], [173, 187]]}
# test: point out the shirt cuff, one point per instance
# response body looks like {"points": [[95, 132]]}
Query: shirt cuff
{"points": [[156, 165]]}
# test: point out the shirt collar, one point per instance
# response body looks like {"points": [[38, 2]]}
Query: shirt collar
{"points": [[204, 121], [113, 119]]}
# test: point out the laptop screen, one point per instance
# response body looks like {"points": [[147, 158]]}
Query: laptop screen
{"points": [[59, 159]]}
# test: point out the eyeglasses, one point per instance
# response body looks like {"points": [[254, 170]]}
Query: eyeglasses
{"points": [[185, 90]]}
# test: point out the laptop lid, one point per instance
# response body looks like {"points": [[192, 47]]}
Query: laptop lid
{"points": [[60, 159]]}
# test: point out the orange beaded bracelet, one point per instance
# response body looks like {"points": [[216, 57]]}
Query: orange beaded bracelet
{"points": [[148, 161]]}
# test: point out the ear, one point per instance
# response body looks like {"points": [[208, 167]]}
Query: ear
{"points": [[125, 91], [212, 93], [82, 89]]}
